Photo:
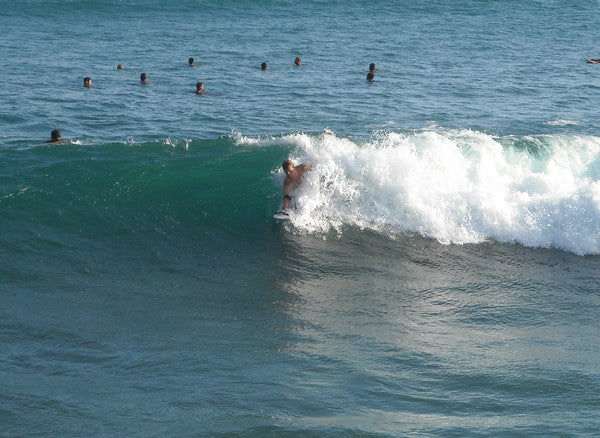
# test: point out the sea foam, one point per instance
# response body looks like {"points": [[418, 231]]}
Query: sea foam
{"points": [[456, 187]]}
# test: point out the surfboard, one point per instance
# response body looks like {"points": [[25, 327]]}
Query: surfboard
{"points": [[281, 215]]}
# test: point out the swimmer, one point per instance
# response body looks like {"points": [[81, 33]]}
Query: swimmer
{"points": [[298, 61], [120, 67], [293, 178], [264, 66], [191, 62], [87, 82], [593, 61], [372, 68], [370, 77], [199, 87], [55, 137], [144, 78]]}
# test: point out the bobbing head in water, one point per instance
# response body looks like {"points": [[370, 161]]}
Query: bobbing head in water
{"points": [[55, 136]]}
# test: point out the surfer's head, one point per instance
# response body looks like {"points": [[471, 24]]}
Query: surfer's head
{"points": [[55, 135], [287, 166], [87, 82]]}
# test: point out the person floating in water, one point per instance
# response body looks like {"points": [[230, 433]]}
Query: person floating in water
{"points": [[87, 82], [298, 61], [191, 62], [293, 178], [593, 61], [264, 66], [55, 137], [370, 77], [199, 88], [144, 78], [120, 67]]}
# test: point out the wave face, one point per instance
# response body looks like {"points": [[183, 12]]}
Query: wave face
{"points": [[105, 195], [454, 186], [457, 187]]}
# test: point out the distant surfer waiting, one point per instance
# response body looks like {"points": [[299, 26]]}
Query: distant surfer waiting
{"points": [[293, 178], [55, 137]]}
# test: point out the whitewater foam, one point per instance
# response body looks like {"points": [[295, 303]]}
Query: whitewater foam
{"points": [[453, 186], [562, 122]]}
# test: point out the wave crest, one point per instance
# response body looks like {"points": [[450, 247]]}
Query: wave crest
{"points": [[456, 186]]}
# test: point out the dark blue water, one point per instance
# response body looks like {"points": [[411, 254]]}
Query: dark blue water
{"points": [[438, 276]]}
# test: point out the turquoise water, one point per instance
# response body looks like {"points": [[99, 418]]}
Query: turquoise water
{"points": [[438, 276]]}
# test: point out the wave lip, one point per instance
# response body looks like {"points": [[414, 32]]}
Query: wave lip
{"points": [[456, 187]]}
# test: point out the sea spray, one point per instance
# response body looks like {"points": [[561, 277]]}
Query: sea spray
{"points": [[453, 186]]}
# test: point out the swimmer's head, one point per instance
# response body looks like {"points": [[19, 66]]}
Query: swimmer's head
{"points": [[143, 77], [298, 61], [120, 67], [55, 135], [191, 62], [371, 67], [199, 87], [87, 82], [264, 66]]}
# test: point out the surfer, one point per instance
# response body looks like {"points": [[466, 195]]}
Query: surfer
{"points": [[87, 82], [55, 137], [293, 178]]}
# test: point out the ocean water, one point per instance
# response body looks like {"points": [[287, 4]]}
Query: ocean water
{"points": [[439, 273]]}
